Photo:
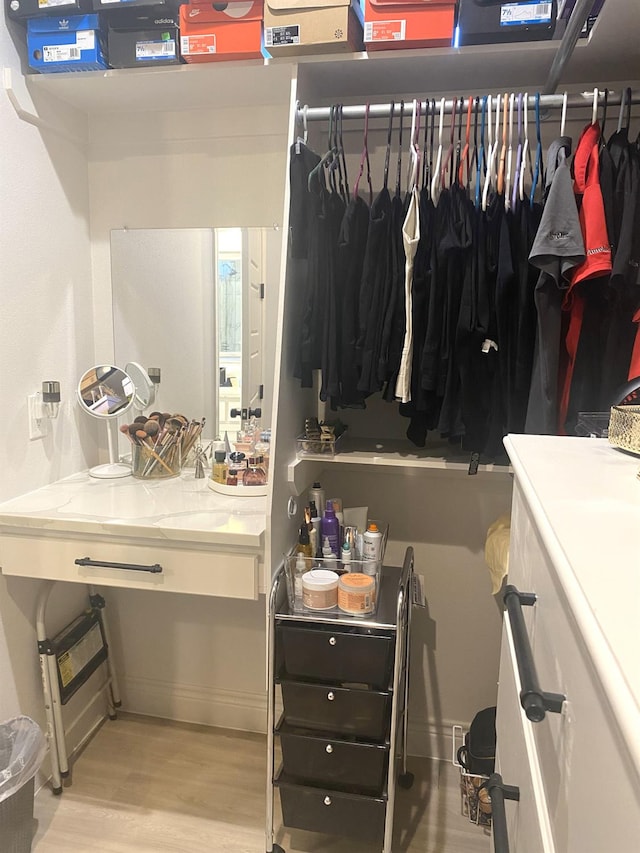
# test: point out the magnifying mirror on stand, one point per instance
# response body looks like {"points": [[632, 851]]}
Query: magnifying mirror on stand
{"points": [[104, 392], [144, 394]]}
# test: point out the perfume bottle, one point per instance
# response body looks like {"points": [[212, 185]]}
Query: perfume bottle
{"points": [[255, 475], [219, 468]]}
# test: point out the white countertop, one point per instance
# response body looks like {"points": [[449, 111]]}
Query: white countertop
{"points": [[182, 509], [585, 498]]}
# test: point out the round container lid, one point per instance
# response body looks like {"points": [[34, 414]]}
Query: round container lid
{"points": [[357, 582], [320, 579]]}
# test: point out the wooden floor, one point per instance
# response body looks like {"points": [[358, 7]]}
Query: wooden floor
{"points": [[149, 786]]}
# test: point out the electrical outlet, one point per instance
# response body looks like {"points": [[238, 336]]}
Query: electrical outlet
{"points": [[37, 421]]}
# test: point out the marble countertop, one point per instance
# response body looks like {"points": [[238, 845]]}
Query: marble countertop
{"points": [[182, 509], [585, 498]]}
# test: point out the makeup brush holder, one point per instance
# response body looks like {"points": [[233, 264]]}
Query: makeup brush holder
{"points": [[156, 463]]}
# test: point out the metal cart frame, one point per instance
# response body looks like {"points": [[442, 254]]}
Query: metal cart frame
{"points": [[278, 609]]}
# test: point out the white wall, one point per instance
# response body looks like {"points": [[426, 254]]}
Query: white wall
{"points": [[46, 332]]}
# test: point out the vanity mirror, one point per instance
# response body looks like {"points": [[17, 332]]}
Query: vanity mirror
{"points": [[193, 301], [105, 392]]}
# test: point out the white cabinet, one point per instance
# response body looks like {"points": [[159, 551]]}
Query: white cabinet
{"points": [[573, 548]]}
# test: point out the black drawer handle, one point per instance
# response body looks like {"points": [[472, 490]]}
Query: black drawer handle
{"points": [[327, 801], [499, 792], [331, 696], [332, 641], [156, 569], [328, 749], [535, 702]]}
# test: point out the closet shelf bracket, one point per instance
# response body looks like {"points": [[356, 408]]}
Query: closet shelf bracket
{"points": [[567, 45], [31, 117]]}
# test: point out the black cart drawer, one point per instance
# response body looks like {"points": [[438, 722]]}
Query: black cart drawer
{"points": [[337, 656], [333, 762], [322, 810], [356, 712]]}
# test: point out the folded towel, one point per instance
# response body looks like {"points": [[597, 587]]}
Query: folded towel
{"points": [[496, 550]]}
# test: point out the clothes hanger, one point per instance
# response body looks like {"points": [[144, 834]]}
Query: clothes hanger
{"points": [[344, 160], [503, 149], [435, 189], [481, 163], [474, 156], [563, 120], [334, 165], [490, 156], [431, 143], [414, 150], [399, 164], [446, 163], [525, 146], [305, 129], [326, 159], [388, 151], [509, 165], [625, 103], [425, 144], [537, 172], [605, 103], [453, 176], [464, 157], [364, 158], [496, 143], [594, 110], [516, 179]]}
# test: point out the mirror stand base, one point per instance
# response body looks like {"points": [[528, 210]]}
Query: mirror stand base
{"points": [[110, 471]]}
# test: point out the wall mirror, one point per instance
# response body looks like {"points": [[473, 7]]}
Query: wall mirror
{"points": [[193, 303]]}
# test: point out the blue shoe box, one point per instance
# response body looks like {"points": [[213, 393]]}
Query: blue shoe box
{"points": [[68, 43]]}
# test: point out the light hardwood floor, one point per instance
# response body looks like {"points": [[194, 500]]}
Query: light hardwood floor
{"points": [[151, 786]]}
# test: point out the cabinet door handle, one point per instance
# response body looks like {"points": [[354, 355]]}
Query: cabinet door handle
{"points": [[327, 801], [535, 702], [499, 792], [332, 641], [331, 696], [156, 569]]}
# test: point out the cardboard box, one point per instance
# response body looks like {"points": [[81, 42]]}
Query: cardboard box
{"points": [[312, 26], [21, 9], [143, 37], [208, 34], [108, 5], [70, 43], [408, 24], [526, 20]]}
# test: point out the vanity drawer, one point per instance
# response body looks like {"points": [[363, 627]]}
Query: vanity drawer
{"points": [[320, 810], [186, 570], [356, 713], [331, 761], [336, 656]]}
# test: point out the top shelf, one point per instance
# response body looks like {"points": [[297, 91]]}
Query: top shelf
{"points": [[609, 55]]}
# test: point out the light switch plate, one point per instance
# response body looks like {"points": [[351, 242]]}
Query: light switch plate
{"points": [[37, 423]]}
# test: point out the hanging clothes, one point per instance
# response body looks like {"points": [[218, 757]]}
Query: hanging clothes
{"points": [[557, 249]]}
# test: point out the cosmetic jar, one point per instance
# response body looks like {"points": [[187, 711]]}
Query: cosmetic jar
{"points": [[320, 589], [357, 593]]}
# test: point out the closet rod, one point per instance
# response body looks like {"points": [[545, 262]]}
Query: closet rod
{"points": [[583, 99]]}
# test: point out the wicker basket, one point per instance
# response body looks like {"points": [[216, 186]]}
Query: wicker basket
{"points": [[624, 428]]}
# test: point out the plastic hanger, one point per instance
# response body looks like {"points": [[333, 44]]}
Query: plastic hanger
{"points": [[496, 143], [431, 140], [326, 159], [305, 130], [435, 189], [474, 156], [364, 158], [464, 157], [455, 171], [480, 164], [509, 162], [503, 149], [388, 151], [516, 178], [594, 110], [342, 156], [537, 172], [525, 145], [446, 163], [399, 164], [334, 166], [625, 102], [605, 103], [490, 154], [425, 145], [414, 149], [563, 120]]}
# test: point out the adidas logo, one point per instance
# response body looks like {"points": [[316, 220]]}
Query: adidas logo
{"points": [[63, 24], [167, 21]]}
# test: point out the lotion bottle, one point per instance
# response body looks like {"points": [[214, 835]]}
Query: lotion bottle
{"points": [[331, 529], [328, 557], [316, 494]]}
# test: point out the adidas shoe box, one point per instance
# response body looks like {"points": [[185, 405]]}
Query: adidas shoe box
{"points": [[485, 22], [143, 37], [22, 9], [72, 43]]}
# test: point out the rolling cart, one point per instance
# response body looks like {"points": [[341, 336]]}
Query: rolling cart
{"points": [[345, 683]]}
